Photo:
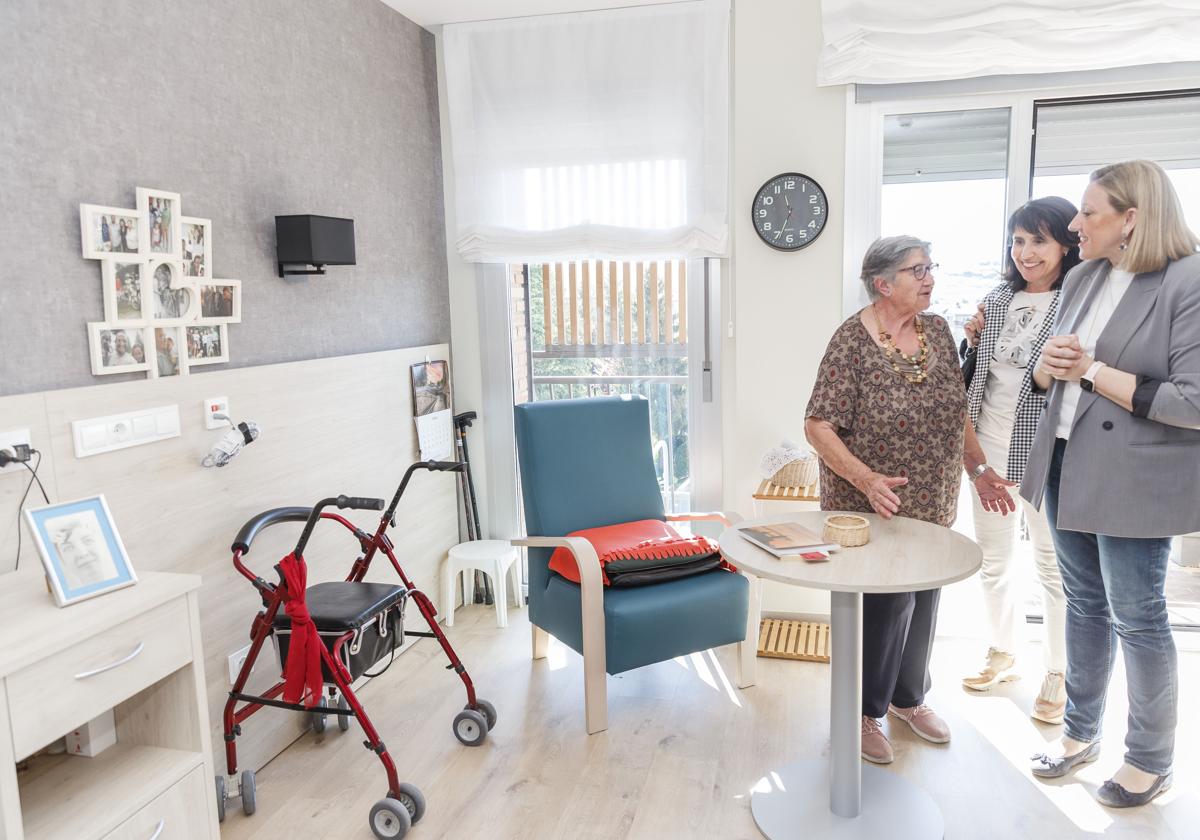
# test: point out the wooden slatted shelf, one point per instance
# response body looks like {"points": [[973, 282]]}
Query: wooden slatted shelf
{"points": [[774, 492], [784, 639]]}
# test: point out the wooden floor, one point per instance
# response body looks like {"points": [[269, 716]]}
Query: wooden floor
{"points": [[682, 752]]}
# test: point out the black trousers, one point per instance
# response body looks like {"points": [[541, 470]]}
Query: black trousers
{"points": [[898, 631]]}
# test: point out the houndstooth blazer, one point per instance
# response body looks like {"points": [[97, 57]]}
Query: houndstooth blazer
{"points": [[1030, 404]]}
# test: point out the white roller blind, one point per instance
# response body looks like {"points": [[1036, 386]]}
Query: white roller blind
{"points": [[1079, 138], [945, 146], [600, 133], [881, 42]]}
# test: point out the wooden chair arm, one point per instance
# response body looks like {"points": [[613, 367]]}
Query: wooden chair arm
{"points": [[727, 518]]}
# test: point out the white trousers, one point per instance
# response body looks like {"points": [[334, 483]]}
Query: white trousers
{"points": [[995, 532]]}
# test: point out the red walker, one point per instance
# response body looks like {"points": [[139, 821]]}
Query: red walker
{"points": [[348, 616]]}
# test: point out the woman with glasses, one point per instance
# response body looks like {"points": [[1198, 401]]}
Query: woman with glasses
{"points": [[1117, 462], [1014, 322], [888, 418]]}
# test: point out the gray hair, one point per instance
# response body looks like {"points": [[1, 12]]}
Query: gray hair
{"points": [[884, 257]]}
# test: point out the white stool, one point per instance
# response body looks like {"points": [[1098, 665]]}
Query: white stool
{"points": [[496, 559]]}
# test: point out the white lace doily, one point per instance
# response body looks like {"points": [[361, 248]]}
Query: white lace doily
{"points": [[782, 455]]}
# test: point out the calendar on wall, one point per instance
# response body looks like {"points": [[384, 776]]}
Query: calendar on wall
{"points": [[431, 410]]}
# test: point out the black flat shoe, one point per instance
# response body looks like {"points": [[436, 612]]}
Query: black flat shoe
{"points": [[1115, 796], [1046, 767]]}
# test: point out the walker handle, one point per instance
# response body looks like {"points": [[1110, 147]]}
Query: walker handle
{"points": [[359, 503]]}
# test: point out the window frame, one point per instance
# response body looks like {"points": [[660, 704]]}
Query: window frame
{"points": [[864, 149]]}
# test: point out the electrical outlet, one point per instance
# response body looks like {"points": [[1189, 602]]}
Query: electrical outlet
{"points": [[10, 441], [236, 660], [212, 407]]}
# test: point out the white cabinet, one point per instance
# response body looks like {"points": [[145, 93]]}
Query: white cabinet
{"points": [[136, 651]]}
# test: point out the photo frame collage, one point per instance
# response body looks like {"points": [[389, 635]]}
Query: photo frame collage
{"points": [[164, 311]]}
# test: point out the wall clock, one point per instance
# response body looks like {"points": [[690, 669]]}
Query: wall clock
{"points": [[789, 211]]}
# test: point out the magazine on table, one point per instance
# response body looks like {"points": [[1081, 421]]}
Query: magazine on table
{"points": [[789, 539]]}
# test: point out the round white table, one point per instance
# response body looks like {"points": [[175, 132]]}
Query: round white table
{"points": [[904, 555]]}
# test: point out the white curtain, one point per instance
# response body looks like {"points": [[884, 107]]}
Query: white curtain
{"points": [[882, 42], [598, 134]]}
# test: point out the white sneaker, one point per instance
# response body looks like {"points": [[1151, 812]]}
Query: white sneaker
{"points": [[1051, 701], [999, 668]]}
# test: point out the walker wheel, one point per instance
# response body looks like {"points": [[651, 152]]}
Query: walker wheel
{"points": [[249, 795], [489, 711], [344, 720], [412, 799], [221, 797], [390, 818], [317, 721], [470, 727]]}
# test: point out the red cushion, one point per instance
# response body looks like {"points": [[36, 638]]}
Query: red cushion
{"points": [[651, 540]]}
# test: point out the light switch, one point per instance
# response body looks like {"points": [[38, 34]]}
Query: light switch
{"points": [[117, 431]]}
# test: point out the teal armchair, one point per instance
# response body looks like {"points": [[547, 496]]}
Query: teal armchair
{"points": [[587, 463]]}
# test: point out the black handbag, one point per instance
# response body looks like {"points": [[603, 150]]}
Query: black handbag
{"points": [[970, 358]]}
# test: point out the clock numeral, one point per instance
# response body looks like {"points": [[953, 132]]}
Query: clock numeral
{"points": [[768, 200], [789, 185], [812, 199], [779, 233], [766, 226], [803, 233], [761, 212], [776, 189], [817, 210], [790, 239], [813, 225]]}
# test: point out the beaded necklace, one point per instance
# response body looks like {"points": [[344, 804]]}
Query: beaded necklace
{"points": [[918, 361]]}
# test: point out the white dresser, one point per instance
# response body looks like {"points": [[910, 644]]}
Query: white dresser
{"points": [[137, 651]]}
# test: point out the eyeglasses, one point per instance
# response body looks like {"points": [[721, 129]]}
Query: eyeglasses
{"points": [[919, 271]]}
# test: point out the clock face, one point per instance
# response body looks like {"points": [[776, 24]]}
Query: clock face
{"points": [[789, 211]]}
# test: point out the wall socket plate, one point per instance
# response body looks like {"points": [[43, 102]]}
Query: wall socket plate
{"points": [[236, 660], [216, 405], [10, 440]]}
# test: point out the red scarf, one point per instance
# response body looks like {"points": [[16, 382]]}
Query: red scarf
{"points": [[302, 676]]}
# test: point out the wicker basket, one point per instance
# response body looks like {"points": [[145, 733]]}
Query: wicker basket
{"points": [[847, 530], [800, 473]]}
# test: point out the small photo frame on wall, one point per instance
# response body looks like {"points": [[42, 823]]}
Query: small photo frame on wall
{"points": [[431, 388], [220, 302], [207, 344], [117, 349], [159, 220], [173, 299], [196, 247], [108, 231], [80, 548], [170, 357], [126, 295]]}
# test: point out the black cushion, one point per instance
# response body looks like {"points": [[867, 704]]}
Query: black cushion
{"points": [[338, 606]]}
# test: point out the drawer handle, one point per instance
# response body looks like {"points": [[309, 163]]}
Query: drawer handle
{"points": [[112, 665], [159, 830]]}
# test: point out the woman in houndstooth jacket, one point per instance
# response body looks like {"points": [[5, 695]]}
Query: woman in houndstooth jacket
{"points": [[1014, 322]]}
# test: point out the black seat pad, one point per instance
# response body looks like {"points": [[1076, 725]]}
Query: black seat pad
{"points": [[339, 606]]}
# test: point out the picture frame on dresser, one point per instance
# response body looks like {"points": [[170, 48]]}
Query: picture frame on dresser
{"points": [[80, 549]]}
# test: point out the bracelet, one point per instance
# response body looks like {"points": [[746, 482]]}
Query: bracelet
{"points": [[979, 470]]}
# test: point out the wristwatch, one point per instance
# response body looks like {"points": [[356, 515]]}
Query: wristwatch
{"points": [[1088, 381], [979, 470]]}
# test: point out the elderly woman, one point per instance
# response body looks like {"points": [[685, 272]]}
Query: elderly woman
{"points": [[1117, 461], [888, 417]]}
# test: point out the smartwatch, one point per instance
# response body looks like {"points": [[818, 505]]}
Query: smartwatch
{"points": [[1088, 381]]}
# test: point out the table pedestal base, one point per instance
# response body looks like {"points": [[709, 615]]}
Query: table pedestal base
{"points": [[797, 806]]}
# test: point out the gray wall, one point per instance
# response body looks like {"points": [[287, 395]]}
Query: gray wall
{"points": [[248, 109]]}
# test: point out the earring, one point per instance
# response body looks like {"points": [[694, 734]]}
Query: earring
{"points": [[1124, 241]]}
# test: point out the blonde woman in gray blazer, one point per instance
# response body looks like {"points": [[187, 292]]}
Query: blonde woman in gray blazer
{"points": [[1116, 461]]}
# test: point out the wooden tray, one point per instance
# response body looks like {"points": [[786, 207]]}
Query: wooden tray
{"points": [[768, 491], [783, 639]]}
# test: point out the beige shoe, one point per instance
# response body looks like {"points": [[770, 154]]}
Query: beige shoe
{"points": [[1051, 701], [999, 668], [876, 748]]}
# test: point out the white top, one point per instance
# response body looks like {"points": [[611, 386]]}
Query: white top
{"points": [[903, 555], [1010, 360], [1090, 328]]}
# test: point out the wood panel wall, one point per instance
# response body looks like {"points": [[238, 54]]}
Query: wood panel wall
{"points": [[329, 426]]}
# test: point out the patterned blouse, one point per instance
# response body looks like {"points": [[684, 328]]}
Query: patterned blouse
{"points": [[895, 427]]}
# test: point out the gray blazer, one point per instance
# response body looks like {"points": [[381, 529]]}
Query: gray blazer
{"points": [[1130, 474]]}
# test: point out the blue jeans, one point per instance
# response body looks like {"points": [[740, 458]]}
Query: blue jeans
{"points": [[1115, 590]]}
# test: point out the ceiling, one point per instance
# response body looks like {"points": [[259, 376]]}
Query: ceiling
{"points": [[429, 13]]}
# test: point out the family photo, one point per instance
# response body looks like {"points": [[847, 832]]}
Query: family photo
{"points": [[166, 350], [79, 546], [195, 250], [216, 301], [122, 348], [160, 211], [431, 388], [168, 302], [205, 343], [127, 288], [108, 232]]}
